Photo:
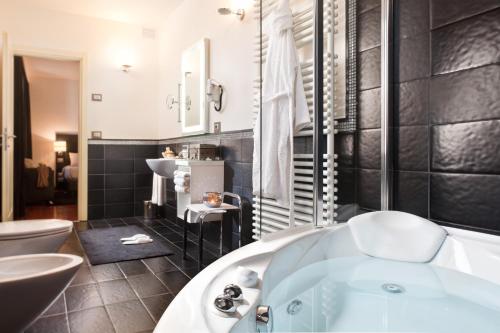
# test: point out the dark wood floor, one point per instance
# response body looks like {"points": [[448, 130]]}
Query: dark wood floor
{"points": [[63, 212]]}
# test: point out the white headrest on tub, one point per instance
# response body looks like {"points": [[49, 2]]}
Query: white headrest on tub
{"points": [[397, 236]]}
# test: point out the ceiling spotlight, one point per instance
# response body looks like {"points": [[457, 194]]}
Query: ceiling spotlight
{"points": [[228, 11]]}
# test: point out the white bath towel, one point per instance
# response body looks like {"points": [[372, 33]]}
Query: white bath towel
{"points": [[181, 181], [180, 173], [181, 189], [138, 241], [284, 110], [159, 195]]}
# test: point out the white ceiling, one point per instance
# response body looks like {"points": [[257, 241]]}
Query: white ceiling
{"points": [[148, 13], [40, 68]]}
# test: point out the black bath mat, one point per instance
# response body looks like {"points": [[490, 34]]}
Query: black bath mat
{"points": [[103, 245]]}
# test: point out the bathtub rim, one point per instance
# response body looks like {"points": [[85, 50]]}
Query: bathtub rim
{"points": [[266, 248]]}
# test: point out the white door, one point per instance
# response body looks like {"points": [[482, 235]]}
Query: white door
{"points": [[7, 123]]}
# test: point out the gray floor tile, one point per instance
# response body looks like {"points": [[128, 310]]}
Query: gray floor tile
{"points": [[106, 272], [175, 281], [57, 307], [147, 285], [52, 324], [158, 304], [83, 276], [159, 264], [135, 267], [82, 297], [94, 320], [130, 317], [116, 291]]}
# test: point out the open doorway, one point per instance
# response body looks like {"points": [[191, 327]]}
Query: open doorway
{"points": [[46, 124]]}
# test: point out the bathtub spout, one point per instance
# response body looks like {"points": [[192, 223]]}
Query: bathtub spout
{"points": [[264, 319]]}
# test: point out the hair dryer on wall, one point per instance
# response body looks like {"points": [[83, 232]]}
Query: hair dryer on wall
{"points": [[214, 94]]}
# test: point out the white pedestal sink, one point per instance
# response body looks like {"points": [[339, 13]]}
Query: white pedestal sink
{"points": [[164, 167]]}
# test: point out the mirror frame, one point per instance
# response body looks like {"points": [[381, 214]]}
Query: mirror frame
{"points": [[203, 48]]}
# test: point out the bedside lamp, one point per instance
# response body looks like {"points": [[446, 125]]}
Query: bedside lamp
{"points": [[60, 147]]}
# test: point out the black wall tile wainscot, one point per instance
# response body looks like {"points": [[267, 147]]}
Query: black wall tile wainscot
{"points": [[117, 172], [365, 5], [466, 200], [411, 192], [467, 147], [369, 149], [412, 58], [449, 11], [466, 44], [369, 29], [369, 70], [447, 134], [368, 191], [466, 95], [369, 109], [413, 18], [411, 153], [411, 103]]}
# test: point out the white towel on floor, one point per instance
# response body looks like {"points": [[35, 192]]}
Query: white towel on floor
{"points": [[181, 189], [159, 195]]}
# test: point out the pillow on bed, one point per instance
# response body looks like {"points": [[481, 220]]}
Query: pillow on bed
{"points": [[73, 159], [30, 164]]}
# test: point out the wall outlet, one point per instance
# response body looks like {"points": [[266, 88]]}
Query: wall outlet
{"points": [[217, 127]]}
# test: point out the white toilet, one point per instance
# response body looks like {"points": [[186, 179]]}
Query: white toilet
{"points": [[33, 236]]}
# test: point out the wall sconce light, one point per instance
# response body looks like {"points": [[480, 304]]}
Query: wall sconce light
{"points": [[228, 11], [126, 68]]}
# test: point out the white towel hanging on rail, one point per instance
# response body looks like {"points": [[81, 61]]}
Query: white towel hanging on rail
{"points": [[284, 109]]}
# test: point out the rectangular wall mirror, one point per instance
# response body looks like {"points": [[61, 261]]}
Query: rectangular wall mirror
{"points": [[195, 71]]}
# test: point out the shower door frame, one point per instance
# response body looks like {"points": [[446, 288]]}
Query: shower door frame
{"points": [[386, 62]]}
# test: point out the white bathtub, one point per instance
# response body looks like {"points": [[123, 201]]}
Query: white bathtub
{"points": [[289, 263]]}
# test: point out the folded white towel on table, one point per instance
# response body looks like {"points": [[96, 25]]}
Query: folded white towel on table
{"points": [[159, 194], [181, 181], [181, 189]]}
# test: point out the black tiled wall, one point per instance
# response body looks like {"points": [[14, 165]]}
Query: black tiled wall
{"points": [[359, 151], [119, 179], [446, 121], [447, 111]]}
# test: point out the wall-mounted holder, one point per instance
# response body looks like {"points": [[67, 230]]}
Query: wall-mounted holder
{"points": [[214, 94]]}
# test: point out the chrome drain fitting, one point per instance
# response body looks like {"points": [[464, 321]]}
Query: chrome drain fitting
{"points": [[393, 288], [294, 307]]}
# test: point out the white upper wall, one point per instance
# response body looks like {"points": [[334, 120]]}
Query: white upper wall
{"points": [[140, 12], [134, 104], [231, 60], [129, 108]]}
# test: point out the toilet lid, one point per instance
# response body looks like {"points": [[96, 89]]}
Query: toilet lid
{"points": [[33, 228]]}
